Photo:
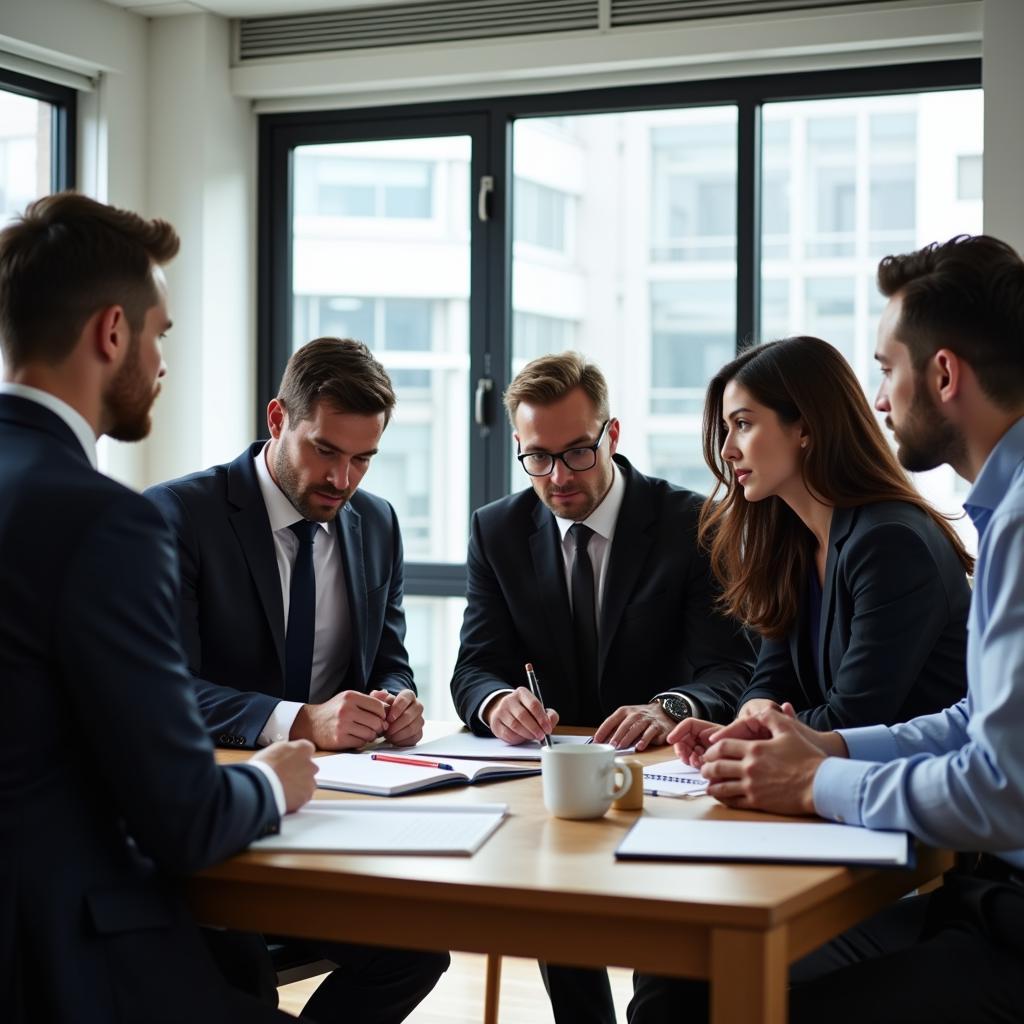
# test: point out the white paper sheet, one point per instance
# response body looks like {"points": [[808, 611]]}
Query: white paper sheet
{"points": [[487, 748], [801, 842], [370, 826]]}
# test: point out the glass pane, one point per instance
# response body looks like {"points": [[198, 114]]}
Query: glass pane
{"points": [[846, 181], [381, 254], [25, 126], [625, 249], [432, 640]]}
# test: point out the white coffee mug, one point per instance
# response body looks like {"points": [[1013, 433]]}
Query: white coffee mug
{"points": [[582, 781]]}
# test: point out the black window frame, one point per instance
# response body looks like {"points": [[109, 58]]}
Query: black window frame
{"points": [[63, 123], [490, 319]]}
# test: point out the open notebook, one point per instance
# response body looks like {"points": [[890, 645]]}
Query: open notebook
{"points": [[673, 778], [359, 773], [371, 826]]}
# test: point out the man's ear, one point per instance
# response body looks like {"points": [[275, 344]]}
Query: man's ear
{"points": [[277, 418], [111, 333], [947, 370], [613, 436]]}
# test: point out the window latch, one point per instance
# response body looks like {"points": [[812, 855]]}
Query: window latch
{"points": [[483, 387], [483, 204]]}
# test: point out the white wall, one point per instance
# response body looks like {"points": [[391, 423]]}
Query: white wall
{"points": [[202, 158]]}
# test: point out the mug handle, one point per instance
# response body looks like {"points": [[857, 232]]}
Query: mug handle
{"points": [[627, 779]]}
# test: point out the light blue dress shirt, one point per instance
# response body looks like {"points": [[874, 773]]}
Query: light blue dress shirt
{"points": [[956, 779]]}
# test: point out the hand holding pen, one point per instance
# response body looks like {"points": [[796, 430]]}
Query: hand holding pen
{"points": [[519, 716]]}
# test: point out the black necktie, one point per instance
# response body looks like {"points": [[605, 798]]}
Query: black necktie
{"points": [[298, 643], [584, 618]]}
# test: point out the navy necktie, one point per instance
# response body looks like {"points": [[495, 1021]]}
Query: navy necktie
{"points": [[584, 617], [298, 644]]}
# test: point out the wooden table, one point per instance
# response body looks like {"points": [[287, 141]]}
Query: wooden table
{"points": [[552, 889]]}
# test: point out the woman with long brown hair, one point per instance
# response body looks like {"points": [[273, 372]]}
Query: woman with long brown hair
{"points": [[822, 545]]}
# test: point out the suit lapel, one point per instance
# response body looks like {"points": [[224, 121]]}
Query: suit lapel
{"points": [[631, 544], [550, 590], [252, 528], [350, 537], [842, 524]]}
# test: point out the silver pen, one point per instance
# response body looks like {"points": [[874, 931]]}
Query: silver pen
{"points": [[531, 682]]}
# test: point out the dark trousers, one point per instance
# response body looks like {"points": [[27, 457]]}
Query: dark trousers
{"points": [[579, 995], [953, 956], [370, 984]]}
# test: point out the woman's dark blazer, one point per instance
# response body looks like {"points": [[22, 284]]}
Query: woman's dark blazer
{"points": [[893, 634]]}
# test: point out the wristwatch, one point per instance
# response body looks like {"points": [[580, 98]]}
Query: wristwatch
{"points": [[677, 708]]}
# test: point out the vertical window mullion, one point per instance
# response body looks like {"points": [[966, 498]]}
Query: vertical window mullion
{"points": [[748, 223]]}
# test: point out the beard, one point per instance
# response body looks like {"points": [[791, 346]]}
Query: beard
{"points": [[926, 439], [288, 480], [130, 398]]}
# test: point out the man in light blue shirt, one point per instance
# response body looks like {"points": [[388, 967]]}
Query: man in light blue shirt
{"points": [[951, 351]]}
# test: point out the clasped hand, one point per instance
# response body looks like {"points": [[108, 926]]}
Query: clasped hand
{"points": [[764, 761], [351, 719]]}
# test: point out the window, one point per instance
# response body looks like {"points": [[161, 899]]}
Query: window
{"points": [[36, 141], [656, 229], [880, 174]]}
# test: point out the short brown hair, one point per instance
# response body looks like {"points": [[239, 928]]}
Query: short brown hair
{"points": [[65, 258], [550, 378], [340, 371], [966, 295]]}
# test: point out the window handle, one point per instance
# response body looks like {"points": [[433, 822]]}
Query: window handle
{"points": [[483, 206], [483, 387]]}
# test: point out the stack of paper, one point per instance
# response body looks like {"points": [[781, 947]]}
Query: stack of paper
{"points": [[373, 826]]}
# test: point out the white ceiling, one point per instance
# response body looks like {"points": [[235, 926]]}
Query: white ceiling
{"points": [[244, 8]]}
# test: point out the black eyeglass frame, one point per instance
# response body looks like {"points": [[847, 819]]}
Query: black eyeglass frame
{"points": [[592, 448]]}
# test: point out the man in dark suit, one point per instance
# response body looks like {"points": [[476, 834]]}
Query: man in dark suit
{"points": [[595, 576], [281, 646], [109, 788], [292, 622]]}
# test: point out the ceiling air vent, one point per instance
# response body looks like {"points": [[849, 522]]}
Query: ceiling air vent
{"points": [[644, 12], [436, 21]]}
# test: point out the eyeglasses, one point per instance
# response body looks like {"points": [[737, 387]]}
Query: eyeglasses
{"points": [[579, 460]]}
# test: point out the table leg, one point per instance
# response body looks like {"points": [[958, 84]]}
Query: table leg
{"points": [[749, 976], [492, 991]]}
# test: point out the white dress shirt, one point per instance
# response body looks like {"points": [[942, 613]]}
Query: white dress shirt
{"points": [[602, 521], [332, 642]]}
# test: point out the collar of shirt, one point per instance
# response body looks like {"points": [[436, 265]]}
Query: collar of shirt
{"points": [[76, 422], [603, 519], [281, 512], [1004, 462]]}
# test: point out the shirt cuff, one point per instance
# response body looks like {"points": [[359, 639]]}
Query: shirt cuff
{"points": [[871, 743], [839, 789], [486, 703], [279, 724], [696, 708], [275, 785]]}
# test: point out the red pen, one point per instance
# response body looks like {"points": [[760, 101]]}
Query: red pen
{"points": [[423, 763]]}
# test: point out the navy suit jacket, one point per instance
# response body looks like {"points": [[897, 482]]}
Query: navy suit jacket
{"points": [[108, 787], [893, 628], [232, 615], [658, 629]]}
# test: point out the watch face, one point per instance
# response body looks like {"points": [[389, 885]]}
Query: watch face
{"points": [[676, 707]]}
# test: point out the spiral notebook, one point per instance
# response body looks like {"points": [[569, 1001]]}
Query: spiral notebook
{"points": [[673, 778]]}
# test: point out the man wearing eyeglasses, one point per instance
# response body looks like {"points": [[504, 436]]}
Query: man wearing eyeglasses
{"points": [[594, 576]]}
